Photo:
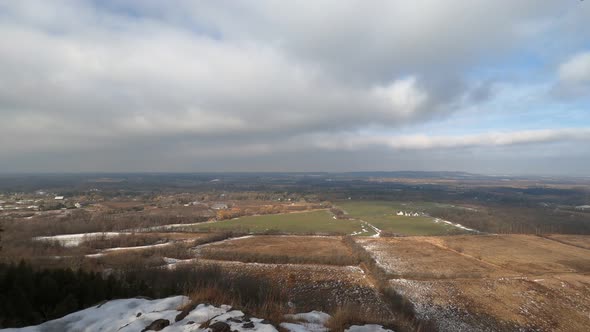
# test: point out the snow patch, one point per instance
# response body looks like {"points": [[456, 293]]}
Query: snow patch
{"points": [[437, 220], [367, 328], [375, 229], [310, 317], [138, 247], [74, 240]]}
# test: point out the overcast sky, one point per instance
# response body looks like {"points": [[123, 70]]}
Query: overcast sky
{"points": [[469, 85]]}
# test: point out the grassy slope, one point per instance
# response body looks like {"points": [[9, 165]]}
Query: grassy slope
{"points": [[296, 223], [381, 214]]}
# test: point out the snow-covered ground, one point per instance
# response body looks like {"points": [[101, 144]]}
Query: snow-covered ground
{"points": [[149, 246], [167, 227], [381, 253], [197, 250], [439, 304], [409, 214], [74, 240], [364, 226], [437, 220], [313, 321], [137, 314], [367, 328], [375, 229]]}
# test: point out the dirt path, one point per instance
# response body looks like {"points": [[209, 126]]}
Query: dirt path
{"points": [[532, 277], [563, 242]]}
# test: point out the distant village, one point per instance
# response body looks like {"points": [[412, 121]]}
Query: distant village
{"points": [[410, 214]]}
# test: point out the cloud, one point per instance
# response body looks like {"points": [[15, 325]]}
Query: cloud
{"points": [[574, 75], [426, 142], [576, 69], [208, 78], [154, 78]]}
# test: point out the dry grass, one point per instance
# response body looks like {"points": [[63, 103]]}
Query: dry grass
{"points": [[347, 315], [283, 250], [249, 257], [403, 310], [518, 281], [582, 241], [413, 258], [549, 304], [313, 287], [254, 295], [526, 254]]}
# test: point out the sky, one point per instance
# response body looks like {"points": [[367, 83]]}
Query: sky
{"points": [[492, 87]]}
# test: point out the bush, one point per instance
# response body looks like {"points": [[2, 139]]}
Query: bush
{"points": [[257, 296]]}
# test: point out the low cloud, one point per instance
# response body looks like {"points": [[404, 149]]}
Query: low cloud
{"points": [[426, 142]]}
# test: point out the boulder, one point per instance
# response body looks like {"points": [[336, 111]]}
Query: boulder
{"points": [[220, 327], [157, 325]]}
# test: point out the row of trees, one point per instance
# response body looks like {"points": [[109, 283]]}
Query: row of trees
{"points": [[236, 212], [29, 296], [519, 219]]}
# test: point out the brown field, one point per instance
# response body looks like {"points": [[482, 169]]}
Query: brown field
{"points": [[574, 240], [481, 283], [410, 257], [526, 254], [283, 249], [554, 304]]}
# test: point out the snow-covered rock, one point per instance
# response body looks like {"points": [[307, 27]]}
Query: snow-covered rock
{"points": [[117, 315], [137, 313], [313, 321], [367, 328]]}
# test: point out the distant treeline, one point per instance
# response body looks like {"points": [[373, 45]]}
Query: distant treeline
{"points": [[519, 220]]}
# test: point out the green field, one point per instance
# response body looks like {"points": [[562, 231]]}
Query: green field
{"points": [[382, 215], [293, 223], [377, 213]]}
